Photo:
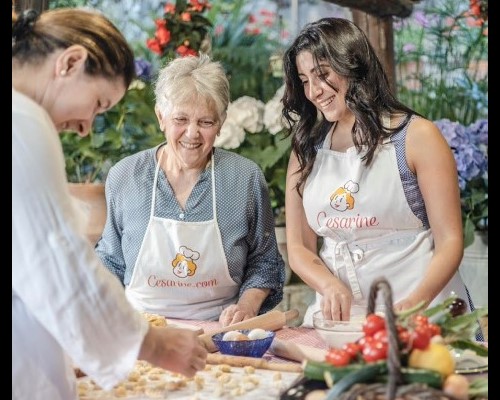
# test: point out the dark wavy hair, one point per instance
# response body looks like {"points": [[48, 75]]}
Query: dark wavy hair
{"points": [[35, 36], [349, 53]]}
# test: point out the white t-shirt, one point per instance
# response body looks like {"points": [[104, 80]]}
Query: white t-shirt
{"points": [[67, 309]]}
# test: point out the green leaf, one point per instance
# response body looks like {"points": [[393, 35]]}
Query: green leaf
{"points": [[479, 349]]}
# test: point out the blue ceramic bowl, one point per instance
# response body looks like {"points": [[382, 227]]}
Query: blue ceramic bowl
{"points": [[246, 348]]}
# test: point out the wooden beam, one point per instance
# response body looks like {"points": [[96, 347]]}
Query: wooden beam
{"points": [[38, 5], [381, 36], [380, 8]]}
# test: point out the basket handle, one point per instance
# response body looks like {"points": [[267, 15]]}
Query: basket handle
{"points": [[393, 356]]}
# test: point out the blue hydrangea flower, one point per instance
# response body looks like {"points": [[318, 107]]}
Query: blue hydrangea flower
{"points": [[469, 145], [143, 69]]}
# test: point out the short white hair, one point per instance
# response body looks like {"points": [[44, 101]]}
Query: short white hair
{"points": [[186, 78]]}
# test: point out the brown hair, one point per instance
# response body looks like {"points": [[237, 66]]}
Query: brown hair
{"points": [[346, 48], [35, 36]]}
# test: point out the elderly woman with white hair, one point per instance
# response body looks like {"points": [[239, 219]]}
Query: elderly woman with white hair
{"points": [[190, 228]]}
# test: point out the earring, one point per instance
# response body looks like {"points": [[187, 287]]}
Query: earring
{"points": [[63, 72]]}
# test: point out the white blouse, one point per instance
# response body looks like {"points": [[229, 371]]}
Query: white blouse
{"points": [[67, 309]]}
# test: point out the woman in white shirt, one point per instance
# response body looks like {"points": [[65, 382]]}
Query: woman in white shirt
{"points": [[67, 66]]}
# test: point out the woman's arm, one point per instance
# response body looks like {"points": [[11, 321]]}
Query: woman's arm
{"points": [[431, 159], [109, 246], [264, 269], [303, 253]]}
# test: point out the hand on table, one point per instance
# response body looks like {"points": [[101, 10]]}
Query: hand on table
{"points": [[236, 313], [174, 349]]}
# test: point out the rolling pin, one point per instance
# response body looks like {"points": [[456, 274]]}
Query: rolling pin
{"points": [[258, 363], [295, 351], [271, 321]]}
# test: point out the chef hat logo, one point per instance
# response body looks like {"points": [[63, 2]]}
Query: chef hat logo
{"points": [[188, 253], [351, 186]]}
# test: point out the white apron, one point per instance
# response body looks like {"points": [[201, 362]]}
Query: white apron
{"points": [[368, 228], [181, 270]]}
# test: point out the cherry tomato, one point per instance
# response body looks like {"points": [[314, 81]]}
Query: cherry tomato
{"points": [[435, 329], [374, 351], [404, 337], [337, 357], [381, 336], [420, 319], [420, 337], [365, 340], [352, 348], [373, 324]]}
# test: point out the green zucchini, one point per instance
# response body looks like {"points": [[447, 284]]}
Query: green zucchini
{"points": [[316, 370], [367, 373], [420, 375], [417, 375]]}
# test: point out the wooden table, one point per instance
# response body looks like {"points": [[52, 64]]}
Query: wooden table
{"points": [[217, 381]]}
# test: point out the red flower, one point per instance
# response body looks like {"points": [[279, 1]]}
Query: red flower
{"points": [[169, 8], [268, 21], [163, 35], [199, 5], [186, 17], [184, 51], [267, 13], [252, 31], [160, 22], [182, 29], [479, 9], [154, 46]]}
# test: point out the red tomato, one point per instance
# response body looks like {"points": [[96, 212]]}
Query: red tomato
{"points": [[381, 336], [373, 324], [337, 357], [374, 351], [420, 319], [365, 340], [352, 348], [420, 337], [435, 329], [404, 337]]}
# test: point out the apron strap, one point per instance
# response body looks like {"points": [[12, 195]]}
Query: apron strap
{"points": [[214, 206], [155, 182], [343, 249]]}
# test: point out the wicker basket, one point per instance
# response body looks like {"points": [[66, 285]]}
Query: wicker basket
{"points": [[395, 389]]}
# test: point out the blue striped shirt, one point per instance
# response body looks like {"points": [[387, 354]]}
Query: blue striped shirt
{"points": [[244, 215]]}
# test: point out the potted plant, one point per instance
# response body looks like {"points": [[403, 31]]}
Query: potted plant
{"points": [[125, 129]]}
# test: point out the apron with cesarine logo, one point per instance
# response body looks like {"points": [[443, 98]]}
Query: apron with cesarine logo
{"points": [[181, 270], [368, 228]]}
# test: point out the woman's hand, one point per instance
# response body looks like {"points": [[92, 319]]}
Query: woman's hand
{"points": [[248, 306], [236, 313], [336, 301], [177, 350]]}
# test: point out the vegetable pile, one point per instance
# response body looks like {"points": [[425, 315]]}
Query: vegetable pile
{"points": [[425, 339]]}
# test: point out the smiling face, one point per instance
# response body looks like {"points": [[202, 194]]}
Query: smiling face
{"points": [[81, 99], [190, 130], [329, 101]]}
